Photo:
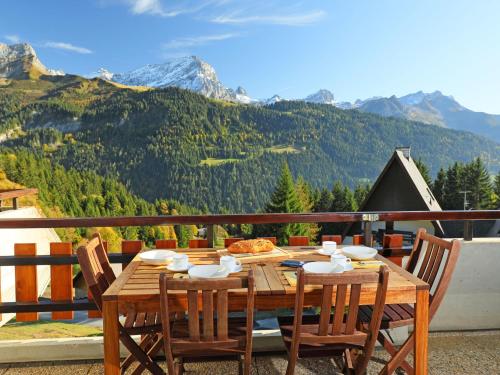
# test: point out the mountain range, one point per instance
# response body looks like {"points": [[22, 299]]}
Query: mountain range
{"points": [[174, 143]]}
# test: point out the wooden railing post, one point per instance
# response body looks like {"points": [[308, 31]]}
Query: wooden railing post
{"points": [[61, 279], [26, 281], [14, 203], [211, 235], [468, 230]]}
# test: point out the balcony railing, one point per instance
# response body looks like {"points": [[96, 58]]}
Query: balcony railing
{"points": [[61, 259]]}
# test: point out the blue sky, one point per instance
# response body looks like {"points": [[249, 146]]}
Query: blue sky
{"points": [[356, 49]]}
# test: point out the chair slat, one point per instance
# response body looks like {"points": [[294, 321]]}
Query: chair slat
{"points": [[326, 308], [193, 315], [435, 268], [430, 263], [352, 315], [338, 316], [208, 315], [425, 260], [222, 315]]}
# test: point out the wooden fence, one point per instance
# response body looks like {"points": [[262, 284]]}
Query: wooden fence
{"points": [[62, 303]]}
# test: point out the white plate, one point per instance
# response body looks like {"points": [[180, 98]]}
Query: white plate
{"points": [[322, 252], [171, 267], [157, 257], [208, 271], [323, 267], [359, 252]]}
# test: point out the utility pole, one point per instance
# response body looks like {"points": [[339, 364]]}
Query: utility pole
{"points": [[464, 192]]}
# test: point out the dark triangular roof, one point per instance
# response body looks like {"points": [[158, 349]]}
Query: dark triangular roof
{"points": [[401, 187]]}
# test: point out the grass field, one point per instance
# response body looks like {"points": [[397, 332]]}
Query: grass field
{"points": [[45, 330], [282, 149], [212, 162]]}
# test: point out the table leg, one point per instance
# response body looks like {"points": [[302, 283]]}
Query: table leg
{"points": [[111, 338], [421, 334]]}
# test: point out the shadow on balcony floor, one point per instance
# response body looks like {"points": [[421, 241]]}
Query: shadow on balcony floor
{"points": [[458, 354]]}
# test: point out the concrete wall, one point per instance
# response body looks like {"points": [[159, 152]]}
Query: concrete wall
{"points": [[9, 237], [473, 299]]}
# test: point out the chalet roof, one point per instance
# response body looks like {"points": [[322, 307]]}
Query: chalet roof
{"points": [[401, 187]]}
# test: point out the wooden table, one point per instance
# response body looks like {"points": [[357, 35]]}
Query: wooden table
{"points": [[137, 289]]}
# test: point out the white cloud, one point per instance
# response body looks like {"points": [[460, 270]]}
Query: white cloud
{"points": [[156, 7], [299, 19], [12, 38], [197, 40], [67, 47]]}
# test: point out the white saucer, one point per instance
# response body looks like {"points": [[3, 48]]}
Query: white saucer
{"points": [[348, 267], [322, 267], [171, 267], [157, 257], [238, 269], [322, 252], [208, 271]]}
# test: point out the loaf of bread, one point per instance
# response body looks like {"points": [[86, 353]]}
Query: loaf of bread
{"points": [[251, 246]]}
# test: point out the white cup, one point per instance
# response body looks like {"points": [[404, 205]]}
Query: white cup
{"points": [[329, 247], [230, 262], [341, 260], [180, 261]]}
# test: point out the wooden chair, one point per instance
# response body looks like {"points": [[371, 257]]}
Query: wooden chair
{"points": [[231, 240], [334, 334], [272, 239], [99, 275], [198, 243], [332, 237], [219, 336], [166, 244], [435, 266], [298, 241]]}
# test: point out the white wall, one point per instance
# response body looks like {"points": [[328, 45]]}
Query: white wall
{"points": [[473, 297], [9, 237]]}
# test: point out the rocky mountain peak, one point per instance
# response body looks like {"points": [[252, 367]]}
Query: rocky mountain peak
{"points": [[323, 96], [19, 61]]}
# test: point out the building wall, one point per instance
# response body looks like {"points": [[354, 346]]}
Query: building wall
{"points": [[473, 299], [9, 237]]}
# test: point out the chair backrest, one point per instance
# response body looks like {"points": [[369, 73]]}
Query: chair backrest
{"points": [[214, 298], [231, 240], [341, 327], [198, 243], [274, 240], [96, 268], [166, 244], [332, 237], [435, 265], [298, 241]]}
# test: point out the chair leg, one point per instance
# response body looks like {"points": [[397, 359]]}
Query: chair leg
{"points": [[292, 359], [397, 358], [148, 340], [144, 359], [348, 366], [240, 365], [248, 364]]}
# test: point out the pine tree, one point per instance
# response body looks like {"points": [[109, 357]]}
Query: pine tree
{"points": [[284, 199], [453, 198], [478, 182], [324, 202], [360, 194], [439, 187], [424, 171]]}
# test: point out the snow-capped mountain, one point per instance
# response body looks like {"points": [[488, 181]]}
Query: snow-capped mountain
{"points": [[322, 96], [274, 99], [19, 61], [190, 72]]}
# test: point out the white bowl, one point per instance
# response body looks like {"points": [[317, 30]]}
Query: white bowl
{"points": [[322, 267], [208, 271], [157, 257], [359, 252]]}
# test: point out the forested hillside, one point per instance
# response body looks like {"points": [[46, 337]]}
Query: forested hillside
{"points": [[214, 155]]}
